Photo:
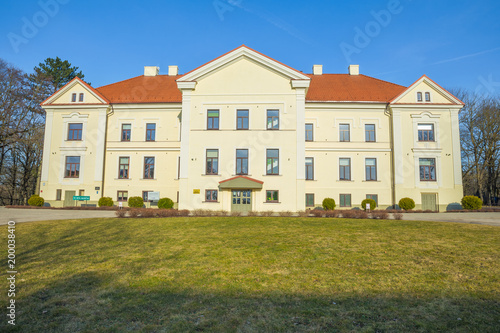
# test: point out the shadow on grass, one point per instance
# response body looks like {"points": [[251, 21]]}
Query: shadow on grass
{"points": [[93, 302]]}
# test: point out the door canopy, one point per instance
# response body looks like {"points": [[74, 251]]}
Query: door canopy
{"points": [[240, 183]]}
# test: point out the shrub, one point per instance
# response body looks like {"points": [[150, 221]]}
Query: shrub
{"points": [[318, 212], [380, 214], [183, 212], [236, 213], [36, 200], [165, 203], [407, 203], [105, 202], [135, 202], [253, 213], [332, 213], [268, 213], [148, 212], [470, 202], [121, 213], [286, 213], [134, 212], [348, 214], [373, 204], [397, 216], [328, 204], [303, 213]]}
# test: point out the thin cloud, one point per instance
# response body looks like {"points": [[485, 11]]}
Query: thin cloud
{"points": [[465, 56]]}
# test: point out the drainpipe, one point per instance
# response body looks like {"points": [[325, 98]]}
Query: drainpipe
{"points": [[388, 113], [108, 114]]}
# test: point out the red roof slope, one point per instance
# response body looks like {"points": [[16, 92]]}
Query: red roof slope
{"points": [[351, 88], [143, 89]]}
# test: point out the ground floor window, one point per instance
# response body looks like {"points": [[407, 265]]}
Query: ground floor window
{"points": [[58, 195], [374, 197], [309, 199], [211, 195], [145, 196], [272, 196], [81, 193], [345, 200], [122, 195]]}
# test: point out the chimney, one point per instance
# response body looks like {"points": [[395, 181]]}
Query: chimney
{"points": [[318, 69], [151, 70], [173, 70], [353, 69]]}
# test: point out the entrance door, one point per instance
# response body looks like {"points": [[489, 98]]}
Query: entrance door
{"points": [[429, 201], [68, 198], [242, 201]]}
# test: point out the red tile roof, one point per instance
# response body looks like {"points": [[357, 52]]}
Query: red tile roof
{"points": [[143, 89], [350, 88]]}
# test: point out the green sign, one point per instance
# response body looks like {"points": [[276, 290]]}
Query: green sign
{"points": [[81, 198]]}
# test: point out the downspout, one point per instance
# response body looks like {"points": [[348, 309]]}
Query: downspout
{"points": [[388, 113], [108, 114]]}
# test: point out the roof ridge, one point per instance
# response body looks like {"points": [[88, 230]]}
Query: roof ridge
{"points": [[135, 77], [371, 77]]}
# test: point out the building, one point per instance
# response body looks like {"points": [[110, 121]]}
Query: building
{"points": [[246, 132]]}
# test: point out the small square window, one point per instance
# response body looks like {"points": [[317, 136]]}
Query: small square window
{"points": [[211, 195], [374, 197], [345, 200], [272, 196], [122, 196]]}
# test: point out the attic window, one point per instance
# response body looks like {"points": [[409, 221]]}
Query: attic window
{"points": [[419, 97], [73, 98], [80, 99], [427, 96]]}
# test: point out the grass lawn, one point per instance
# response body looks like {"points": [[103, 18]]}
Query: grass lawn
{"points": [[254, 274]]}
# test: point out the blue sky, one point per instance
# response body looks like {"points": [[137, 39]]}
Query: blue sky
{"points": [[456, 43]]}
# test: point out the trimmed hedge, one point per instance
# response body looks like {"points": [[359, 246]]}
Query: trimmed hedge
{"points": [[36, 200], [165, 203], [105, 202], [328, 204], [135, 202], [373, 204], [406, 203], [471, 202]]}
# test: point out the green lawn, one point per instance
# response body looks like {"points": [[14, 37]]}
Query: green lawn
{"points": [[255, 274]]}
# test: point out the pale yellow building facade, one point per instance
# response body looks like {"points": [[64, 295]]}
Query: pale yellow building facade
{"points": [[246, 132]]}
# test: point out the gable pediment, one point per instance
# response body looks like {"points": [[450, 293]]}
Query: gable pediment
{"points": [[424, 85], [64, 96]]}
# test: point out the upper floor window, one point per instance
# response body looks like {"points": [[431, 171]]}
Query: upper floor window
{"points": [[309, 168], [242, 161], [213, 119], [272, 163], [425, 132], [123, 167], [242, 119], [72, 168], [309, 132], [427, 169], [212, 162], [75, 132], [126, 129], [419, 97], [149, 167], [427, 96], [345, 169], [371, 168], [344, 133], [273, 119], [370, 133], [80, 98], [150, 132], [73, 97]]}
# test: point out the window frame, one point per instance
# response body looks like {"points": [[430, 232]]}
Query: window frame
{"points": [[309, 131], [277, 200], [272, 128], [343, 168], [73, 98], [128, 131], [427, 95], [239, 162], [81, 98], [313, 202], [345, 195], [368, 132], [146, 199], [433, 132], [150, 133], [120, 198], [58, 194], [76, 172], [369, 179], [342, 133], [272, 159], [78, 132], [120, 167], [147, 168], [420, 166], [419, 97], [371, 196], [238, 117], [311, 167], [212, 160], [211, 196], [210, 117]]}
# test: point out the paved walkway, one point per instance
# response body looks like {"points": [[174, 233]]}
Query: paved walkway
{"points": [[30, 215], [476, 218]]}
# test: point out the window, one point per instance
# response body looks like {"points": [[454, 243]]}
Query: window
{"points": [[211, 195], [75, 132], [273, 119], [126, 128], [425, 132], [80, 98], [309, 132], [371, 168], [72, 169], [345, 168], [374, 197], [150, 132], [272, 196], [213, 119], [345, 200], [370, 133], [122, 195], [344, 133], [309, 199], [73, 97], [212, 165], [123, 167], [242, 119], [419, 97], [242, 161], [81, 193], [309, 168], [149, 167], [427, 96], [427, 169], [272, 164], [145, 196], [58, 195]]}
